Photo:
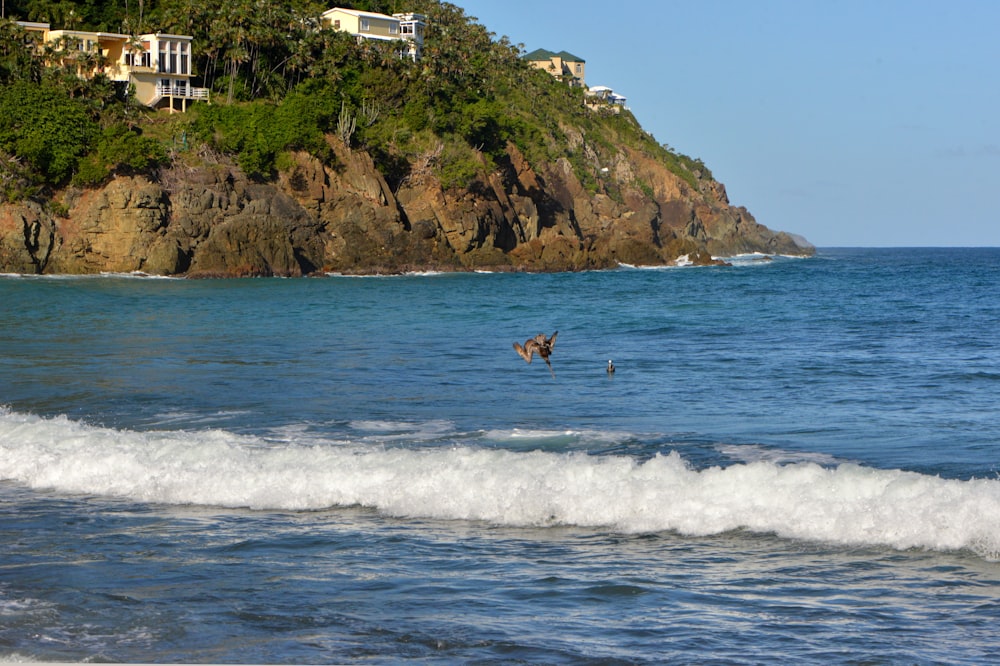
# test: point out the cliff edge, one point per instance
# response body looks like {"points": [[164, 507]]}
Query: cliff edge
{"points": [[211, 219]]}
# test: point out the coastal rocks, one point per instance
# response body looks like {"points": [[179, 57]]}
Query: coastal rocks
{"points": [[362, 227], [27, 238], [112, 229], [212, 220]]}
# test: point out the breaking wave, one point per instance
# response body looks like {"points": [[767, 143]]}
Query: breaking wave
{"points": [[844, 504]]}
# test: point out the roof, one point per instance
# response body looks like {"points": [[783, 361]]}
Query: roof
{"points": [[163, 35], [88, 33], [355, 12], [545, 54], [538, 54]]}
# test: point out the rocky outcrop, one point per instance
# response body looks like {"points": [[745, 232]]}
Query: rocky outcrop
{"points": [[211, 220]]}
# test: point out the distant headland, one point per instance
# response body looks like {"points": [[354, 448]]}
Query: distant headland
{"points": [[431, 146]]}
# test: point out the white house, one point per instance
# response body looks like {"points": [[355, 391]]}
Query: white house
{"points": [[407, 27], [604, 96]]}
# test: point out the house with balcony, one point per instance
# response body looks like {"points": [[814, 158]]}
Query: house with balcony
{"points": [[158, 65], [562, 65], [406, 27]]}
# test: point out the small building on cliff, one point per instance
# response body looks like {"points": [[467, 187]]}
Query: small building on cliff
{"points": [[603, 97], [157, 64]]}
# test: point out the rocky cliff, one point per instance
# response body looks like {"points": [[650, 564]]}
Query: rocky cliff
{"points": [[209, 219]]}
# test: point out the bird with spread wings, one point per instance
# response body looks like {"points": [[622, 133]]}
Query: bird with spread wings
{"points": [[538, 345]]}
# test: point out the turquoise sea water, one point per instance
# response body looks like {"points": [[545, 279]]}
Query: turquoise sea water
{"points": [[796, 459]]}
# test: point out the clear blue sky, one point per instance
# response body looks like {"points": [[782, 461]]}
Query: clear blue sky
{"points": [[851, 122]]}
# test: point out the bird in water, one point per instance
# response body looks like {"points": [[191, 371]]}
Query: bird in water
{"points": [[538, 345], [611, 367]]}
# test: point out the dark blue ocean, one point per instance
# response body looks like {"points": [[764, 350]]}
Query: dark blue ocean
{"points": [[796, 461]]}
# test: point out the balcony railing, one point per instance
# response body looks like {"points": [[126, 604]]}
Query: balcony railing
{"points": [[187, 92]]}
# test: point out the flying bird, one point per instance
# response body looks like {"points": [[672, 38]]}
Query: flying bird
{"points": [[538, 345]]}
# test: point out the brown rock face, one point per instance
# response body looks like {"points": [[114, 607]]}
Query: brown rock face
{"points": [[344, 217], [27, 238]]}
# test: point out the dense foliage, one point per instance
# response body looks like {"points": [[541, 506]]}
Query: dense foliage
{"points": [[280, 83], [57, 128]]}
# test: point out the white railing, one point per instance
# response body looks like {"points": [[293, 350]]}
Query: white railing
{"points": [[187, 92]]}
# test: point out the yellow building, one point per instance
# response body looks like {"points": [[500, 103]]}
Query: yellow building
{"points": [[158, 65], [563, 65], [408, 27]]}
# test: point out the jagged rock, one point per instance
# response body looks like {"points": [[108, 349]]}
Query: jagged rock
{"points": [[247, 246], [343, 216], [165, 257], [27, 238]]}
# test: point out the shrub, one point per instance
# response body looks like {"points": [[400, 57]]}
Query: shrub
{"points": [[459, 165], [46, 128], [258, 132], [90, 171], [123, 148]]}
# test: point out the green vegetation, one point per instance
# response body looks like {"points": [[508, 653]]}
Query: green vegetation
{"points": [[279, 83], [257, 133], [45, 128]]}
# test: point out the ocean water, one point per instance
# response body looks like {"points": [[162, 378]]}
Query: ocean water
{"points": [[795, 461]]}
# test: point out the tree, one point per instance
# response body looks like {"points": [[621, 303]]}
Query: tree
{"points": [[16, 60]]}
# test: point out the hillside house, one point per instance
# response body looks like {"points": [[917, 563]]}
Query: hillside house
{"points": [[562, 65], [407, 27], [158, 65], [605, 97]]}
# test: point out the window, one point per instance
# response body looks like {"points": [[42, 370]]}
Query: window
{"points": [[336, 24], [579, 68], [137, 59], [365, 27], [163, 57], [184, 69], [172, 48]]}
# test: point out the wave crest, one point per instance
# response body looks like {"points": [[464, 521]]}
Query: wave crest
{"points": [[845, 504]]}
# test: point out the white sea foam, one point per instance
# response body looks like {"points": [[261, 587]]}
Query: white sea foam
{"points": [[650, 267], [522, 437], [846, 504], [386, 431], [750, 453], [757, 258], [139, 275], [176, 416], [683, 261], [521, 434], [334, 274]]}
